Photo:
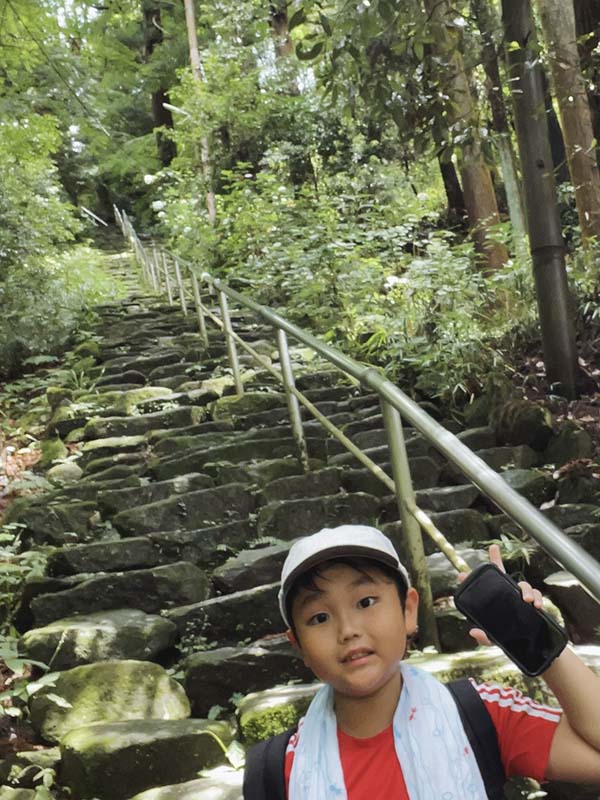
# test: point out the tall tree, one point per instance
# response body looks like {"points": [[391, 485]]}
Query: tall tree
{"points": [[153, 36], [461, 113], [190, 21], [558, 23], [490, 27], [545, 238], [587, 20]]}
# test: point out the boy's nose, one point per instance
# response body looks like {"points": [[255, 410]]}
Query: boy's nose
{"points": [[347, 629]]}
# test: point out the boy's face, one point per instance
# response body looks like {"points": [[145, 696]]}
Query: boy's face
{"points": [[352, 631]]}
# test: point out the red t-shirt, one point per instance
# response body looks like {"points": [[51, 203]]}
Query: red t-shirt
{"points": [[524, 728]]}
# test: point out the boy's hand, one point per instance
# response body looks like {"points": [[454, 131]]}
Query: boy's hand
{"points": [[530, 595]]}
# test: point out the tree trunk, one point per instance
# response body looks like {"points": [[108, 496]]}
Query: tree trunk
{"points": [[587, 21], [454, 192], [478, 190], [278, 21], [543, 221], [558, 23], [488, 23], [153, 35], [190, 20]]}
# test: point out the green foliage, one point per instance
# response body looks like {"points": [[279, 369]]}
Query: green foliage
{"points": [[45, 299], [17, 566]]}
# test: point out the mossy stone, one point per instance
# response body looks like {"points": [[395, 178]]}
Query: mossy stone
{"points": [[6, 793], [56, 394], [534, 484], [69, 472], [126, 633], [106, 692], [52, 450], [125, 403], [113, 761], [222, 784], [268, 713], [523, 422], [88, 348], [248, 403], [570, 444]]}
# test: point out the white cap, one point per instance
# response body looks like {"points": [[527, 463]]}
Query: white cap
{"points": [[360, 541]]}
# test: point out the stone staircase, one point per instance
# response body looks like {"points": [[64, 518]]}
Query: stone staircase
{"points": [[157, 614]]}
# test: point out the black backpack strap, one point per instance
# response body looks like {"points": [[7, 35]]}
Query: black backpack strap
{"points": [[264, 775], [481, 734]]}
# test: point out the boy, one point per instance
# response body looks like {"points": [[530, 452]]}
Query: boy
{"points": [[380, 728]]}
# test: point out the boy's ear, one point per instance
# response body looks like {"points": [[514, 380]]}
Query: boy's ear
{"points": [[292, 639], [411, 609]]}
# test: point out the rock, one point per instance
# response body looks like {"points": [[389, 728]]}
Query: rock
{"points": [[447, 498], [106, 692], [232, 618], [55, 395], [126, 403], [534, 484], [59, 523], [478, 411], [288, 519], [113, 501], [6, 793], [579, 484], [248, 403], [21, 769], [89, 347], [131, 377], [481, 438], [122, 634], [424, 472], [251, 568], [149, 590], [313, 484], [213, 676], [222, 784], [580, 610], [259, 472], [265, 714], [453, 630], [443, 576], [68, 472], [108, 556], [187, 511], [113, 761], [52, 450], [520, 421], [461, 526], [570, 444], [205, 547], [103, 448], [572, 514], [182, 416]]}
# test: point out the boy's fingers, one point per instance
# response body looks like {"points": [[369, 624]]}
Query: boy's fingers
{"points": [[495, 557], [531, 595], [479, 637]]}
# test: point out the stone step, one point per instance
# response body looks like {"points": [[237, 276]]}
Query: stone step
{"points": [[313, 484], [113, 501], [187, 511], [213, 676], [288, 519], [425, 473], [233, 453], [125, 633], [149, 590], [230, 619], [104, 427]]}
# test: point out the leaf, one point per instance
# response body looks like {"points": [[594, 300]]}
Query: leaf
{"points": [[297, 19], [236, 755], [308, 55], [326, 24], [214, 712], [59, 701]]}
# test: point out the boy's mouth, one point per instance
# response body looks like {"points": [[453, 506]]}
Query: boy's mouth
{"points": [[355, 655]]}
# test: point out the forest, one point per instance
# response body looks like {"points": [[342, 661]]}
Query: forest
{"points": [[363, 166], [416, 183]]}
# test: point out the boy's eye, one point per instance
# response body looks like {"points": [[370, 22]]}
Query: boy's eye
{"points": [[366, 602], [318, 619]]}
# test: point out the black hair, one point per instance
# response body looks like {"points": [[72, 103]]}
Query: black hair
{"points": [[307, 580]]}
